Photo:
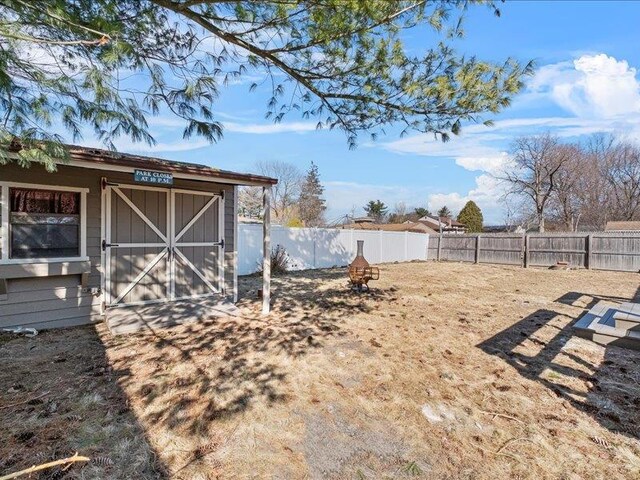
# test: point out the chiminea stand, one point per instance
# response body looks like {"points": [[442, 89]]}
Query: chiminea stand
{"points": [[360, 272], [359, 277]]}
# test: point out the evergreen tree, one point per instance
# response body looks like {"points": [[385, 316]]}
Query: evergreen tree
{"points": [[444, 212], [421, 212], [376, 210], [311, 204], [471, 216], [341, 62]]}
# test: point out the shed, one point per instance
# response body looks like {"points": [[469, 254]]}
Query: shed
{"points": [[135, 240]]}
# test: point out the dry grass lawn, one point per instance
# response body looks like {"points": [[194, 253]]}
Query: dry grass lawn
{"points": [[442, 371]]}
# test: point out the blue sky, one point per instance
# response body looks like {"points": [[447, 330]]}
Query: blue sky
{"points": [[586, 55]]}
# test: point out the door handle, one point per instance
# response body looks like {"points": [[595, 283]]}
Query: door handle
{"points": [[106, 245]]}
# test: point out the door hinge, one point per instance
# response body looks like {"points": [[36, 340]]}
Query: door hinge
{"points": [[222, 243], [222, 194]]}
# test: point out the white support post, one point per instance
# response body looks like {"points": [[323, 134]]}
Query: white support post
{"points": [[103, 238], [171, 232], [222, 252], [235, 244], [4, 205], [266, 253], [107, 251]]}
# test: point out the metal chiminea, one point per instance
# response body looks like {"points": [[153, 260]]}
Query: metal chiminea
{"points": [[360, 273]]}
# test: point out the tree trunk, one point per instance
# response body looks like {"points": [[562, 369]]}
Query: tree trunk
{"points": [[540, 223]]}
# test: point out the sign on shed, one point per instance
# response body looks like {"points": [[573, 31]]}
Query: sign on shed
{"points": [[149, 176]]}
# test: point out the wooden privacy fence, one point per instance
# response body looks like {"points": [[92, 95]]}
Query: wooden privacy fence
{"points": [[598, 250]]}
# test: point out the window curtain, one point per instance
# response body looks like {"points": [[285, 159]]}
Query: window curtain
{"points": [[44, 201]]}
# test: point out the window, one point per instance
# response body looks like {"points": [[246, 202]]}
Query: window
{"points": [[44, 223]]}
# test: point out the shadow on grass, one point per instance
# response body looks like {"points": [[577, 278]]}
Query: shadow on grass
{"points": [[588, 301], [216, 368], [555, 367], [59, 396]]}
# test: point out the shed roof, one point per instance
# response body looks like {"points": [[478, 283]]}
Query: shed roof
{"points": [[99, 158]]}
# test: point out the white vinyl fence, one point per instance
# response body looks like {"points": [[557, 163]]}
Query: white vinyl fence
{"points": [[328, 247]]}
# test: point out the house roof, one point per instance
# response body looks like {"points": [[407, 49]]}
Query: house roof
{"points": [[445, 220], [619, 225], [101, 157], [452, 221], [414, 227]]}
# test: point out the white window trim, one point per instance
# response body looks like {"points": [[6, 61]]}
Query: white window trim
{"points": [[4, 200]]}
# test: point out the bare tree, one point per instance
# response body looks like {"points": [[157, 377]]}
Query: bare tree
{"points": [[518, 214], [537, 160], [622, 174], [250, 202], [399, 214], [566, 200], [591, 183], [286, 193]]}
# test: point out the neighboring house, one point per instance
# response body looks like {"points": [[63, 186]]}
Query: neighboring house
{"points": [[628, 226], [110, 230], [444, 224], [503, 229], [497, 229], [414, 227], [363, 220]]}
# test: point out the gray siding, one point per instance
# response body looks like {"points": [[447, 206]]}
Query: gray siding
{"points": [[59, 301]]}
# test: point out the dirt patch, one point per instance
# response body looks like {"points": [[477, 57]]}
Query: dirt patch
{"points": [[335, 444], [442, 371]]}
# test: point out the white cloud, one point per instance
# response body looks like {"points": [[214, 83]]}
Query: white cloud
{"points": [[487, 194], [465, 145], [169, 121], [489, 143], [595, 86], [454, 201], [601, 92], [493, 164], [127, 145], [166, 122], [270, 128]]}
